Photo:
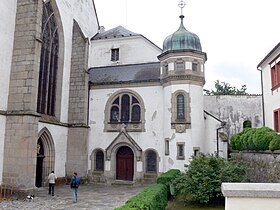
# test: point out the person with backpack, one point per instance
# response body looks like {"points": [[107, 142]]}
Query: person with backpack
{"points": [[74, 185]]}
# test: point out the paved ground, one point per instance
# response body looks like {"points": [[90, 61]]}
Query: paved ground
{"points": [[96, 197]]}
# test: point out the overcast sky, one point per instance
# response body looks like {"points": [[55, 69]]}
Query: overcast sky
{"points": [[235, 34]]}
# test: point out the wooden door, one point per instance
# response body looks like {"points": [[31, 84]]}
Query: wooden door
{"points": [[125, 164]]}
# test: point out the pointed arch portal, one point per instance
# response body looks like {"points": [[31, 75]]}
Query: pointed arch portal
{"points": [[45, 157]]}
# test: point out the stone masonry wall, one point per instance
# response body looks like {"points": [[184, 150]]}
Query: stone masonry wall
{"points": [[20, 146], [263, 167], [77, 158], [79, 77]]}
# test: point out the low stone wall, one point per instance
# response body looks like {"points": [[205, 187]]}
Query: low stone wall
{"points": [[256, 196], [263, 167]]}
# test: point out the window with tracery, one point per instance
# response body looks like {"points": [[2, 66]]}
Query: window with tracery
{"points": [[48, 62], [125, 108]]}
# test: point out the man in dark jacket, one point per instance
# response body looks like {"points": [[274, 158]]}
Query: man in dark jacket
{"points": [[74, 185]]}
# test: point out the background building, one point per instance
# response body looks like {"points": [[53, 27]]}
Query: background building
{"points": [[270, 77]]}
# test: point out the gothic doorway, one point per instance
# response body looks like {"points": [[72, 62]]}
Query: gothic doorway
{"points": [[45, 158], [125, 164], [39, 165]]}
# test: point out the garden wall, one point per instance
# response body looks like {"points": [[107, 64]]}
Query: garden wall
{"points": [[263, 167]]}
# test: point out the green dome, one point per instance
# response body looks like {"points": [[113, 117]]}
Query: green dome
{"points": [[182, 39]]}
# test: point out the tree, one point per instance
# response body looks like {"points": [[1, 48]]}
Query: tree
{"points": [[223, 88]]}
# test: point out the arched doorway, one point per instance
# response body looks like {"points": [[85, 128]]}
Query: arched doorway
{"points": [[45, 157], [39, 165], [125, 164]]}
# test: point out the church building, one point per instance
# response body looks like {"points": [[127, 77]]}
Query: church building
{"points": [[110, 105]]}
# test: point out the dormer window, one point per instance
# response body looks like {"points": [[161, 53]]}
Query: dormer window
{"points": [[115, 54]]}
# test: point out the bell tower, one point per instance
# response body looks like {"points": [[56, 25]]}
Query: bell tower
{"points": [[182, 77]]}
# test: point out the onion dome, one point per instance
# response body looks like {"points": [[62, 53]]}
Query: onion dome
{"points": [[182, 39]]}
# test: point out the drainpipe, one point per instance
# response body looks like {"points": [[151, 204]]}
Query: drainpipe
{"points": [[260, 69], [217, 136]]}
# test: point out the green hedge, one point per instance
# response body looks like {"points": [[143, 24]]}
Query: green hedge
{"points": [[153, 197], [256, 139], [168, 176]]}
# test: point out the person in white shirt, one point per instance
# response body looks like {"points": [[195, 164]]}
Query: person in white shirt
{"points": [[52, 177]]}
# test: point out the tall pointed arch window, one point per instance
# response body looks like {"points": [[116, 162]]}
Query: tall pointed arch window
{"points": [[180, 107], [180, 116], [48, 63]]}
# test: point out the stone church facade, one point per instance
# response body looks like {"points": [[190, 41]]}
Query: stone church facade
{"points": [[110, 105]]}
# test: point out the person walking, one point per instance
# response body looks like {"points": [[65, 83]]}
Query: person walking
{"points": [[74, 185], [52, 177]]}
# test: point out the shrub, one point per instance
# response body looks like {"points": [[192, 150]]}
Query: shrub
{"points": [[253, 139], [262, 138], [168, 176], [275, 143], [153, 197], [202, 180]]}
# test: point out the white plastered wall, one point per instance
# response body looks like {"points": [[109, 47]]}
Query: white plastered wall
{"points": [[192, 137], [7, 28], [132, 50], [152, 138], [59, 136]]}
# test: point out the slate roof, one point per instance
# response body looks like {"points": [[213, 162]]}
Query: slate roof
{"points": [[113, 33], [125, 73]]}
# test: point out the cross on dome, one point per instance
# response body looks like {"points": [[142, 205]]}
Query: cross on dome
{"points": [[182, 4]]}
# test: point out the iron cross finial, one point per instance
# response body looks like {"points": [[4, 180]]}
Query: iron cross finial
{"points": [[182, 4]]}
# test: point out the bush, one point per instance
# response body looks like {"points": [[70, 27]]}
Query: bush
{"points": [[153, 197], [202, 181], [275, 143], [262, 138], [253, 139], [167, 177]]}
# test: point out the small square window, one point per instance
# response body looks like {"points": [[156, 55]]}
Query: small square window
{"points": [[194, 66], [196, 151], [115, 54], [180, 65]]}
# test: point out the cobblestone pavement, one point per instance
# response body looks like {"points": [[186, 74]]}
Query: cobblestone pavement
{"points": [[96, 197]]}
